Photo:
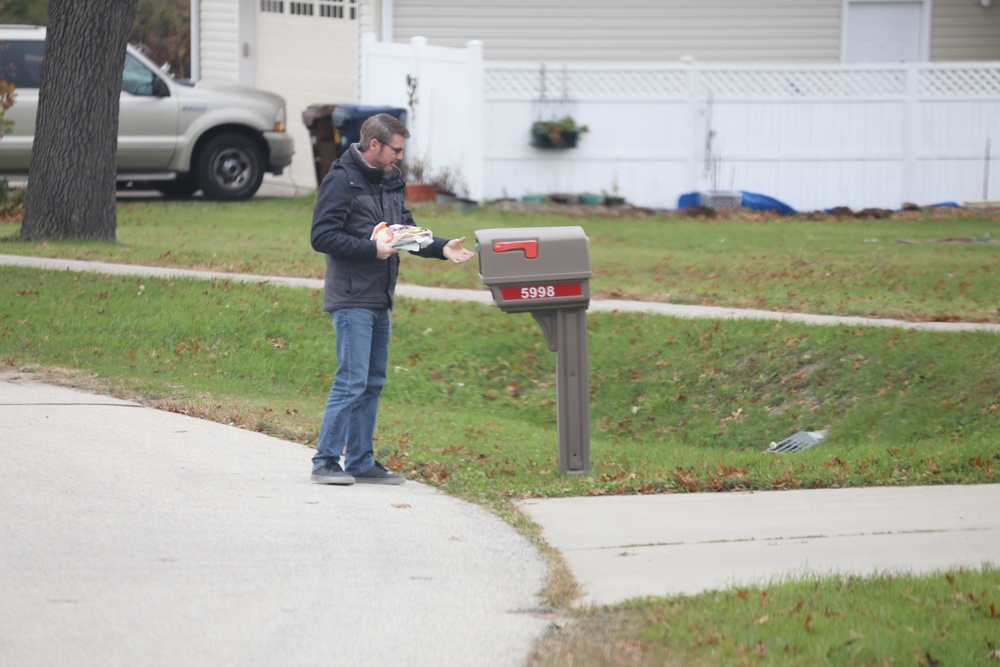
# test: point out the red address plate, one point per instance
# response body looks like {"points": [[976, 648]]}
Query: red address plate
{"points": [[541, 291]]}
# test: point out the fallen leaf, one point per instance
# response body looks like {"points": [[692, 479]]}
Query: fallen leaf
{"points": [[401, 506]]}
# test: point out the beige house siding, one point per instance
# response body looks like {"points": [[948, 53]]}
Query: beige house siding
{"points": [[368, 16], [965, 30], [786, 31]]}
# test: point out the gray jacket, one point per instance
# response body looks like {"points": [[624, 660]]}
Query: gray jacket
{"points": [[352, 199]]}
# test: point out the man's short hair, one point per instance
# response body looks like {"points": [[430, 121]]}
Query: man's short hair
{"points": [[381, 127]]}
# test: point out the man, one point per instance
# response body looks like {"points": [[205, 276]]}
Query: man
{"points": [[363, 188]]}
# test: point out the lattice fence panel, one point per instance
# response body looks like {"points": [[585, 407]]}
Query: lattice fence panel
{"points": [[960, 82], [508, 83], [584, 83], [672, 82], [799, 83]]}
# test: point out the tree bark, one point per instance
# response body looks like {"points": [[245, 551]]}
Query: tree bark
{"points": [[71, 177]]}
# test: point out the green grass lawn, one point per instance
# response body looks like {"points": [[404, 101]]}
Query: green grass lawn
{"points": [[676, 405], [948, 618], [846, 267]]}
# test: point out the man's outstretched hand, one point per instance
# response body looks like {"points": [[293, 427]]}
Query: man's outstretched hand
{"points": [[454, 251]]}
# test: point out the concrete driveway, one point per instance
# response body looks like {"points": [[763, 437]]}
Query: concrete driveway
{"points": [[132, 536]]}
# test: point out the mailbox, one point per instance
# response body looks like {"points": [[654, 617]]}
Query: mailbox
{"points": [[545, 271], [531, 269]]}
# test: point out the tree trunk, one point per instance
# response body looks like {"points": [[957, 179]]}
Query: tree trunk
{"points": [[71, 180]]}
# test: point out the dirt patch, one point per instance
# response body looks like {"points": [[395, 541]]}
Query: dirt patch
{"points": [[627, 211]]}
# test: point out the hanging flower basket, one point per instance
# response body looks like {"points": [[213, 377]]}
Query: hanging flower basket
{"points": [[562, 133], [545, 140]]}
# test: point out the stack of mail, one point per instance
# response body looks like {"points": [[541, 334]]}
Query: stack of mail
{"points": [[403, 237]]}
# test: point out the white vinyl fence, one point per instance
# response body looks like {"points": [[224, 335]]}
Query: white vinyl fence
{"points": [[441, 88], [813, 137]]}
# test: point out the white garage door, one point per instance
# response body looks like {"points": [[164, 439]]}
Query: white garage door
{"points": [[308, 53], [879, 32]]}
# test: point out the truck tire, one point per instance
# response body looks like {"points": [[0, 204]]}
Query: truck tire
{"points": [[229, 167]]}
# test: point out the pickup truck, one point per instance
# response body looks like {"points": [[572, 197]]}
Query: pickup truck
{"points": [[174, 135]]}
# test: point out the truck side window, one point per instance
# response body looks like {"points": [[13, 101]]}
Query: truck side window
{"points": [[21, 62], [136, 78]]}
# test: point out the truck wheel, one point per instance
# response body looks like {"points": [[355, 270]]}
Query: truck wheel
{"points": [[229, 168]]}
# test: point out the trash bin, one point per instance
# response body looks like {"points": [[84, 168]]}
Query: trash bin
{"points": [[348, 118], [324, 137]]}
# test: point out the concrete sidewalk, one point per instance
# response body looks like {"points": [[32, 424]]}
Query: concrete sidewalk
{"points": [[131, 536], [632, 546], [483, 296]]}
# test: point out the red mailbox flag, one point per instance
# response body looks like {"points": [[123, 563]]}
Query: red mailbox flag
{"points": [[530, 248]]}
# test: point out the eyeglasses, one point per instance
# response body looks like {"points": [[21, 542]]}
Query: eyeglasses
{"points": [[398, 150]]}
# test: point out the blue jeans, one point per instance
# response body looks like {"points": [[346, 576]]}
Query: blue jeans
{"points": [[362, 356]]}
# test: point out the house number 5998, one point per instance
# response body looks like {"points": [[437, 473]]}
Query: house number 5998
{"points": [[539, 292]]}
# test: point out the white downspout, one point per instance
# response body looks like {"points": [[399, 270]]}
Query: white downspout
{"points": [[387, 12], [195, 29]]}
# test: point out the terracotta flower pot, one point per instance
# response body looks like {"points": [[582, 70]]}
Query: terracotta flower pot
{"points": [[420, 192]]}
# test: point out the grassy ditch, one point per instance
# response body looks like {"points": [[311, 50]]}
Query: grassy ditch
{"points": [[675, 405]]}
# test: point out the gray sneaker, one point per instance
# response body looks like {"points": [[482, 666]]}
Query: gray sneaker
{"points": [[331, 473], [377, 474]]}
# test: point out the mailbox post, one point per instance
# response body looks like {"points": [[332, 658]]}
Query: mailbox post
{"points": [[545, 271]]}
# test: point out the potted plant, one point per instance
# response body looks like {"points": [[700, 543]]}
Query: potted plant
{"points": [[448, 186], [415, 173], [562, 198], [613, 196], [560, 133], [466, 205]]}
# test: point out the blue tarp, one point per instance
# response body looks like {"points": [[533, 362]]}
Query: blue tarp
{"points": [[689, 200], [758, 202], [347, 118], [750, 200]]}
